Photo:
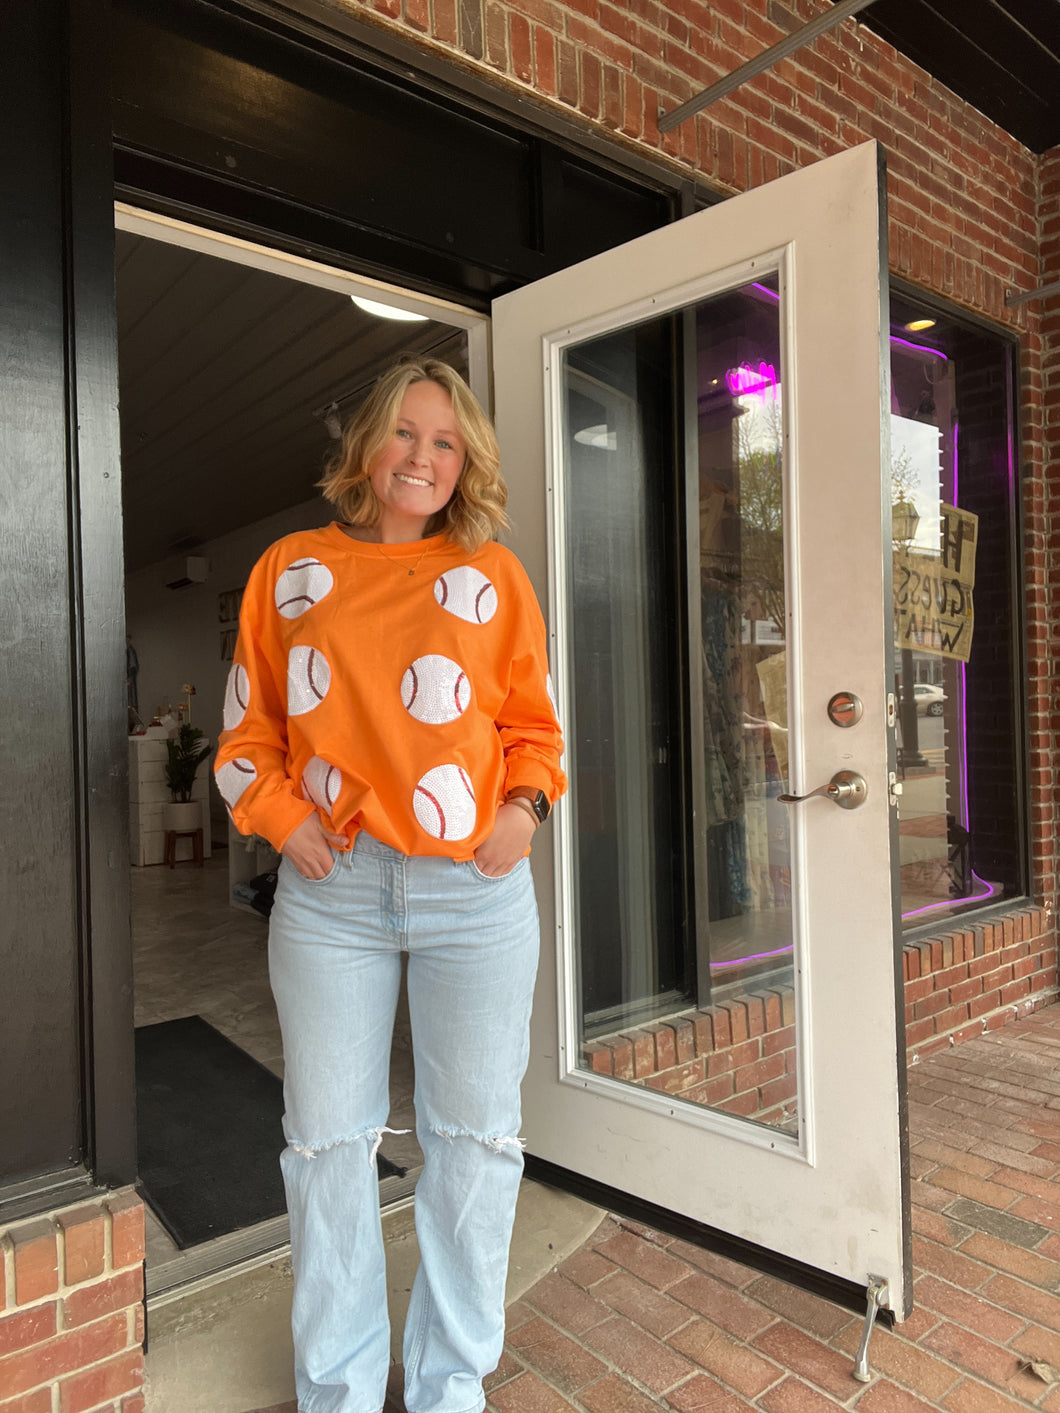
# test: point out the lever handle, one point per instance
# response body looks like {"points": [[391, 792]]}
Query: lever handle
{"points": [[846, 788]]}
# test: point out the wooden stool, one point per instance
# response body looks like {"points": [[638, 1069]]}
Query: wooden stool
{"points": [[172, 835]]}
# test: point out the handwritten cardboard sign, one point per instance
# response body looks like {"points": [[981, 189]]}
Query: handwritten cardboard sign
{"points": [[934, 610]]}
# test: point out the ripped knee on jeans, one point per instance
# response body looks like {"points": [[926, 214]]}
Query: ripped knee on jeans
{"points": [[495, 1142], [374, 1136]]}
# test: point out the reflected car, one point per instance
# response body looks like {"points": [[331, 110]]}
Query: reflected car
{"points": [[929, 699]]}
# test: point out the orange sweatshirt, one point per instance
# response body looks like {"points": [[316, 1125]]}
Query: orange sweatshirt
{"points": [[402, 703]]}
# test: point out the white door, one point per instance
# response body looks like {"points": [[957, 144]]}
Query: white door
{"points": [[694, 434]]}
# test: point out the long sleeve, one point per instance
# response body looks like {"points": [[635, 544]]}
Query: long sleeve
{"points": [[252, 764], [529, 730]]}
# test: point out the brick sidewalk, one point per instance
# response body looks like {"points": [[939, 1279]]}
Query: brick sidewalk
{"points": [[635, 1320]]}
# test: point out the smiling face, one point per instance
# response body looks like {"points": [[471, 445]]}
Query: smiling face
{"points": [[415, 474]]}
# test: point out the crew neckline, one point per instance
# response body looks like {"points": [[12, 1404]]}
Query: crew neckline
{"points": [[372, 548]]}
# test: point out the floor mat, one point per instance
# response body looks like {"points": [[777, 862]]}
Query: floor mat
{"points": [[209, 1132]]}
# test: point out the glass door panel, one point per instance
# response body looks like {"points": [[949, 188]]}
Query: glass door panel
{"points": [[628, 454]]}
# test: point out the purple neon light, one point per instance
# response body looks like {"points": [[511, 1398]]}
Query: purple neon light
{"points": [[919, 348], [754, 957]]}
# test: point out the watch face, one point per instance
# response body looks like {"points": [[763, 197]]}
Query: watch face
{"points": [[541, 805]]}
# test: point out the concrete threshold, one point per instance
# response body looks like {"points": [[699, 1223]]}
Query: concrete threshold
{"points": [[225, 1345]]}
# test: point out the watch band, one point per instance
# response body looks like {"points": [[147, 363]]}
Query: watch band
{"points": [[525, 805], [536, 800]]}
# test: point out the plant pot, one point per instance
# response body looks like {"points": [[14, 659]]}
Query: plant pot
{"points": [[181, 817]]}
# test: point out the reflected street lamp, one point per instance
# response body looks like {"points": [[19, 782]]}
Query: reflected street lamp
{"points": [[905, 520]]}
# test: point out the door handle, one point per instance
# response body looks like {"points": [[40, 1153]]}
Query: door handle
{"points": [[846, 788]]}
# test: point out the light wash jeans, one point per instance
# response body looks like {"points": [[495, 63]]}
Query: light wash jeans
{"points": [[335, 950]]}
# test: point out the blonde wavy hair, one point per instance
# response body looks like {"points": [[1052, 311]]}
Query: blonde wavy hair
{"points": [[475, 512]]}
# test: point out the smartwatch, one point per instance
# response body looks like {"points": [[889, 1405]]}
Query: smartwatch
{"points": [[536, 799]]}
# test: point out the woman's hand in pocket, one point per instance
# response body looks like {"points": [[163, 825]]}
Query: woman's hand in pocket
{"points": [[309, 848], [512, 831]]}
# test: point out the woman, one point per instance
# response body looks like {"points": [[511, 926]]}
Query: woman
{"points": [[389, 728]]}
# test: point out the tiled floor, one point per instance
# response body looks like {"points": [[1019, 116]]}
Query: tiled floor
{"points": [[635, 1320]]}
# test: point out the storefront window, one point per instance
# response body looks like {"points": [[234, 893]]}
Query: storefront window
{"points": [[675, 503], [957, 630]]}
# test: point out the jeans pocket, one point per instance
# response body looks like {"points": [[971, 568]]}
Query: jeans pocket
{"points": [[319, 882], [495, 878]]}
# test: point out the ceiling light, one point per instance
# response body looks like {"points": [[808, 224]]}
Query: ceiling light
{"points": [[388, 311], [917, 326], [600, 436]]}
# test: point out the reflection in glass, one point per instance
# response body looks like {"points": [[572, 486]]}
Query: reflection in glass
{"points": [[951, 492], [679, 733]]}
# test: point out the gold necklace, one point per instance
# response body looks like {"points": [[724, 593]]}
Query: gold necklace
{"points": [[412, 571]]}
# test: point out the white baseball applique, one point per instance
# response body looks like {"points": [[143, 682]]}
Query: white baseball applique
{"points": [[321, 783], [301, 585], [466, 593], [308, 679], [237, 696], [233, 778], [435, 690], [444, 802]]}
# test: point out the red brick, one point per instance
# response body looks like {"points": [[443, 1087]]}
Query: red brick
{"points": [[127, 1229], [885, 1397], [40, 1401], [960, 1271], [968, 1351], [642, 1304], [74, 1349], [656, 1267], [28, 1327], [730, 1360], [133, 1403], [722, 1305], [703, 1395], [612, 1394], [971, 1311], [974, 1397], [84, 1235], [1037, 1305], [116, 1293], [527, 1394], [105, 1382], [1014, 1259], [990, 1194], [800, 1307], [559, 1359], [800, 1354], [1033, 1209], [793, 1396], [566, 1304], [586, 1267], [36, 1261], [652, 1363]]}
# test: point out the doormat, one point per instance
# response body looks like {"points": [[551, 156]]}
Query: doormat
{"points": [[209, 1132]]}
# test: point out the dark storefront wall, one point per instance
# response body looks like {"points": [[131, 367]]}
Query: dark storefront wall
{"points": [[220, 120], [66, 1065]]}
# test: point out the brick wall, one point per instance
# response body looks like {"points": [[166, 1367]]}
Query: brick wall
{"points": [[967, 203], [740, 1056], [1044, 522], [71, 1309]]}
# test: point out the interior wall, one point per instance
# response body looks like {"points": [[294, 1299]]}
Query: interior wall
{"points": [[177, 632]]}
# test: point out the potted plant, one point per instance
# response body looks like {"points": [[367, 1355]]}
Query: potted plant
{"points": [[186, 752]]}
